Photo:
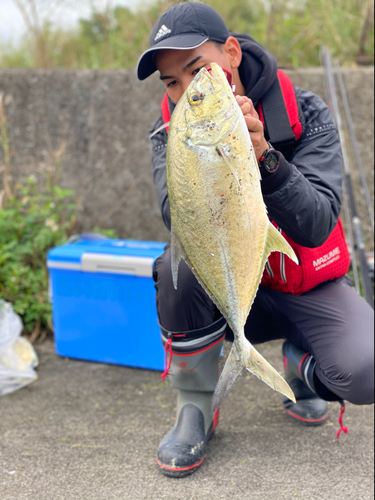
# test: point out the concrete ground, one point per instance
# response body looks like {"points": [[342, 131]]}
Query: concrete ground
{"points": [[90, 431]]}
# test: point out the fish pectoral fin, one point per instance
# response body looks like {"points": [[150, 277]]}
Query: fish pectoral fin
{"points": [[232, 370], [257, 365], [228, 160], [177, 253], [276, 242]]}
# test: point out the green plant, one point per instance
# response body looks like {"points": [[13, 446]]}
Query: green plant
{"points": [[292, 30], [31, 223], [4, 145]]}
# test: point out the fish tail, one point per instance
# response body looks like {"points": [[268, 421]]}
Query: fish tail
{"points": [[256, 364], [249, 358], [232, 370]]}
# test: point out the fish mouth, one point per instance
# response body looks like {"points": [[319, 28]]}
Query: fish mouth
{"points": [[205, 73], [227, 73], [214, 73], [211, 73]]}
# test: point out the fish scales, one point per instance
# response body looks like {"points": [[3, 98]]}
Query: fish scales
{"points": [[219, 221], [209, 179]]}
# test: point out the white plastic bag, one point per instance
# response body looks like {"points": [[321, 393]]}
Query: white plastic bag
{"points": [[17, 356]]}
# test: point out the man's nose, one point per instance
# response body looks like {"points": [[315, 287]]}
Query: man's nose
{"points": [[186, 82], [184, 85]]}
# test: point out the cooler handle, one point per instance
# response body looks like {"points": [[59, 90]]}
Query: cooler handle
{"points": [[87, 237], [118, 264]]}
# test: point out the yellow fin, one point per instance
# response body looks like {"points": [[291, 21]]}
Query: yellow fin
{"points": [[232, 370], [177, 253], [253, 361], [277, 243], [256, 364]]}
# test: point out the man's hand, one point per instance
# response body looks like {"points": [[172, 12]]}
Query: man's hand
{"points": [[254, 125]]}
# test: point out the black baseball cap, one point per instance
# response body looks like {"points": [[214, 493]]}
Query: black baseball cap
{"points": [[184, 26]]}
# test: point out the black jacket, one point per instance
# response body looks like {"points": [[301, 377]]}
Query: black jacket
{"points": [[304, 196]]}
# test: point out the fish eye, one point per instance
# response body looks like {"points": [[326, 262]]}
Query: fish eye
{"points": [[196, 99]]}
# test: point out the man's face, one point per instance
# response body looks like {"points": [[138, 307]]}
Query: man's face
{"points": [[178, 67]]}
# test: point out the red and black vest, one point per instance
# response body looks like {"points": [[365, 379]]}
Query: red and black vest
{"points": [[282, 121]]}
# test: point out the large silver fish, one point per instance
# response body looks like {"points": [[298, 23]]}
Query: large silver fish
{"points": [[219, 221]]}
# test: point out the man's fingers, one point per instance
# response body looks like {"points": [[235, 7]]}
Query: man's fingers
{"points": [[240, 100], [254, 124], [247, 106]]}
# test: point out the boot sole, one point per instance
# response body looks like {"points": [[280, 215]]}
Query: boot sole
{"points": [[307, 422], [178, 472]]}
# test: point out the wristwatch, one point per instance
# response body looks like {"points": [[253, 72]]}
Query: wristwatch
{"points": [[269, 161]]}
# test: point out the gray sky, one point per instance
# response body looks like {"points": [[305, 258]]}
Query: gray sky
{"points": [[12, 25]]}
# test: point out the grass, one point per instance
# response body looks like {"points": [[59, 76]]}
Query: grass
{"points": [[293, 30]]}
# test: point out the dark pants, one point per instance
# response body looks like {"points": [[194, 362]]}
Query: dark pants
{"points": [[332, 322]]}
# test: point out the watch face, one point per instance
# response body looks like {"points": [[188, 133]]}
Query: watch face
{"points": [[271, 161]]}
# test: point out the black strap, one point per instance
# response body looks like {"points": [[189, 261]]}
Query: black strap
{"points": [[276, 121]]}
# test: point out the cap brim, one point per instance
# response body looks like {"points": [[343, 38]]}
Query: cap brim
{"points": [[146, 65]]}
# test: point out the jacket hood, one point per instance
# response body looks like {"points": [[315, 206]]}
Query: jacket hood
{"points": [[258, 68]]}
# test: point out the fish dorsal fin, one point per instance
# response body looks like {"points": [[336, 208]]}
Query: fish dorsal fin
{"points": [[277, 243]]}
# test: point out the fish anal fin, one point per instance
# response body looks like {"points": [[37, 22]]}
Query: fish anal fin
{"points": [[177, 253], [276, 242], [257, 365], [232, 370]]}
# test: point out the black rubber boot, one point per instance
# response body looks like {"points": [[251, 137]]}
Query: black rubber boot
{"points": [[309, 408], [194, 373]]}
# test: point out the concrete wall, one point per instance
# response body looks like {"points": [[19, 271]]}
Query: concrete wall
{"points": [[97, 122]]}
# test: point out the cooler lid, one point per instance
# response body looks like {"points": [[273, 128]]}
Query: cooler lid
{"points": [[107, 256]]}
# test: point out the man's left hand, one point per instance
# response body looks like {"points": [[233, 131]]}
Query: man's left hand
{"points": [[254, 125]]}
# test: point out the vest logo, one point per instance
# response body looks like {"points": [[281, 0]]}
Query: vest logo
{"points": [[182, 364], [162, 32], [327, 259]]}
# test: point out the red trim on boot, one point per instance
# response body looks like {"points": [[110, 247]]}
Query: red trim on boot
{"points": [[202, 350], [285, 362], [306, 419], [216, 420], [179, 469]]}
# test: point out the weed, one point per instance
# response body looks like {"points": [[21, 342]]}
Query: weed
{"points": [[292, 30]]}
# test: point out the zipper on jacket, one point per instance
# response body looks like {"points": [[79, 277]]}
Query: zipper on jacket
{"points": [[282, 261], [269, 269]]}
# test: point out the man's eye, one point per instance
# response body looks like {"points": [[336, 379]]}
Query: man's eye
{"points": [[197, 70], [171, 84]]}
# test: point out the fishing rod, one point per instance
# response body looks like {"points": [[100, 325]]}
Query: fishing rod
{"points": [[353, 217], [353, 137], [349, 230], [365, 189]]}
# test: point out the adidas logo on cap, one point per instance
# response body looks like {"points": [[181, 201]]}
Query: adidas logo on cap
{"points": [[162, 32]]}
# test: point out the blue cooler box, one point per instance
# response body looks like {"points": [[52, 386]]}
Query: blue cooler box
{"points": [[103, 302]]}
